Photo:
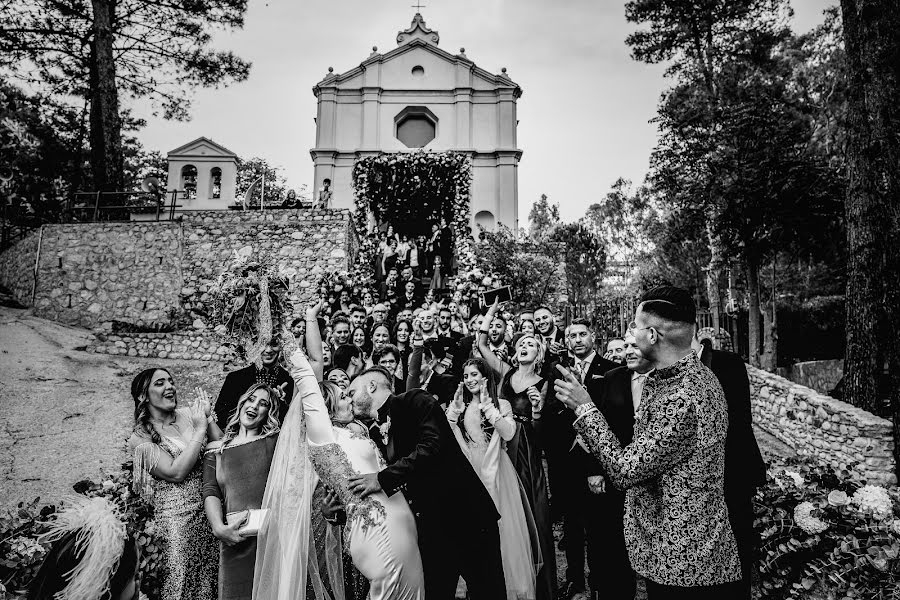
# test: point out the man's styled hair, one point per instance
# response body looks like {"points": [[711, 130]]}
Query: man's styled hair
{"points": [[542, 307], [343, 354], [670, 303], [341, 318], [378, 373], [581, 321], [384, 350], [356, 308]]}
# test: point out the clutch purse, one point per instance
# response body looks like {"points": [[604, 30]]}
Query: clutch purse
{"points": [[256, 518]]}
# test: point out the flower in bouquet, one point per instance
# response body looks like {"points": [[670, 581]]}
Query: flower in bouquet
{"points": [[806, 521], [874, 500], [838, 498]]}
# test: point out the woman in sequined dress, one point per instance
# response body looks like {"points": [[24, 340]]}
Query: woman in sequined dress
{"points": [[167, 443], [483, 425], [380, 533]]}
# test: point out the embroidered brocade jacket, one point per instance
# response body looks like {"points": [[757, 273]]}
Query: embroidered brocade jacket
{"points": [[676, 521]]}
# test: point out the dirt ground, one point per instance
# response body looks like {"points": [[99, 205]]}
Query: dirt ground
{"points": [[66, 414]]}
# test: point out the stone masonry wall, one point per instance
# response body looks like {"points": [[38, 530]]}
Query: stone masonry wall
{"points": [[17, 267], [94, 272], [147, 273], [822, 428], [310, 242], [195, 346], [820, 375]]}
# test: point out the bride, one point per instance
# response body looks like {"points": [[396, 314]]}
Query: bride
{"points": [[380, 531]]}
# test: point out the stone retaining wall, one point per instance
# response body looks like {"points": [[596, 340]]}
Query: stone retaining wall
{"points": [[187, 345], [17, 267], [820, 427], [310, 242], [156, 274], [89, 273], [820, 375]]}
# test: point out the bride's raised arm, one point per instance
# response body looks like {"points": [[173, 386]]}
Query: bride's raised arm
{"points": [[306, 389]]}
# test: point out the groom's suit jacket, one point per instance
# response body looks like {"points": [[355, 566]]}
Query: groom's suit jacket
{"points": [[427, 464]]}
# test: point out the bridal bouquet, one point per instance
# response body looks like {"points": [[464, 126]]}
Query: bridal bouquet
{"points": [[251, 301]]}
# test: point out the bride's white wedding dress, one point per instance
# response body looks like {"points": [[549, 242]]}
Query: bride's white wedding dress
{"points": [[380, 532]]}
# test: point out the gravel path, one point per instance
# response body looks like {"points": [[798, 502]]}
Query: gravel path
{"points": [[65, 414]]}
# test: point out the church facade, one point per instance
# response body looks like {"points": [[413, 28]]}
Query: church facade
{"points": [[418, 95]]}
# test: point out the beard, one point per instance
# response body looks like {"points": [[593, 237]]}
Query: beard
{"points": [[362, 405]]}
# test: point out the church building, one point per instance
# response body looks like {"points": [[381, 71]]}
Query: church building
{"points": [[419, 95]]}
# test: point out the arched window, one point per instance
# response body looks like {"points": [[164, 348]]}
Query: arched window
{"points": [[485, 219], [189, 181], [215, 183]]}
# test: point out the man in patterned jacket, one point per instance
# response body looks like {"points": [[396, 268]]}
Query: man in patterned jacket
{"points": [[676, 521]]}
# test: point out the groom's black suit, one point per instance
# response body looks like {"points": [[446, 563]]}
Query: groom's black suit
{"points": [[455, 516]]}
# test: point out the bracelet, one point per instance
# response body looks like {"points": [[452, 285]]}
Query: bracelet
{"points": [[212, 418], [585, 409]]}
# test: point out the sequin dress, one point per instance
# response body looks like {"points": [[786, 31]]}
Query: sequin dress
{"points": [[189, 554]]}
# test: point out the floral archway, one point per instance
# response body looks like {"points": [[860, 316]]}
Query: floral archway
{"points": [[411, 190]]}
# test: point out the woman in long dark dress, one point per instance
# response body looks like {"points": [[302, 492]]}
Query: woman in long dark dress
{"points": [[234, 475], [525, 390]]}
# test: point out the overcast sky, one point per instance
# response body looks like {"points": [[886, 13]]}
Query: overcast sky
{"points": [[584, 114]]}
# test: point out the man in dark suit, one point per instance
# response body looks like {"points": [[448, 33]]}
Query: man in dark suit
{"points": [[428, 370], [568, 463], [745, 469], [554, 339], [455, 515], [238, 382]]}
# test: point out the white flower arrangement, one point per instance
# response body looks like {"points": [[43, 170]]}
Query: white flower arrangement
{"points": [[873, 499], [806, 521]]}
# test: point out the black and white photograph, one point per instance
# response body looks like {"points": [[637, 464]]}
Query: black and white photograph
{"points": [[449, 300]]}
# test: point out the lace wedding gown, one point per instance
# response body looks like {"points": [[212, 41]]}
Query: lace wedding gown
{"points": [[380, 532]]}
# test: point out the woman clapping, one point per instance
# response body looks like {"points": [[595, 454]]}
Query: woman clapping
{"points": [[167, 443]]}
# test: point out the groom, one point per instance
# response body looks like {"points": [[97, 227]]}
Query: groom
{"points": [[455, 516]]}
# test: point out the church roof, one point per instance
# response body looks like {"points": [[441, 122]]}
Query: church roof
{"points": [[417, 35], [202, 145]]}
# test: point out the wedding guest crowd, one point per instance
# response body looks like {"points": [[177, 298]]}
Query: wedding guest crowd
{"points": [[651, 458]]}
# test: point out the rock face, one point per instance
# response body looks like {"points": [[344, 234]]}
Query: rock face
{"points": [[147, 273], [818, 426]]}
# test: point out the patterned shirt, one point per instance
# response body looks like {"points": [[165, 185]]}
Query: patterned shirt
{"points": [[676, 522]]}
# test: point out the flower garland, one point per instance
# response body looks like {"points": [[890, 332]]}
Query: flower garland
{"points": [[408, 186], [251, 301]]}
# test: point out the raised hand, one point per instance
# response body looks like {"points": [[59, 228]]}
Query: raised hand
{"points": [[536, 399], [198, 416], [458, 398], [569, 390], [202, 398]]}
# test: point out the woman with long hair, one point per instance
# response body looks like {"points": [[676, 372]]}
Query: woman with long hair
{"points": [[483, 424], [234, 475], [525, 389], [360, 339], [402, 334], [167, 443]]}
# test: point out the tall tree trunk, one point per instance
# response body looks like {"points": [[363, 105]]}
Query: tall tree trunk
{"points": [[754, 316], [770, 330], [872, 42], [107, 163]]}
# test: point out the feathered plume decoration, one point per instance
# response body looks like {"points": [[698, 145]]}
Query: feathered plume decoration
{"points": [[100, 539]]}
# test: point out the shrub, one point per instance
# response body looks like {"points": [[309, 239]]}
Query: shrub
{"points": [[822, 532]]}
